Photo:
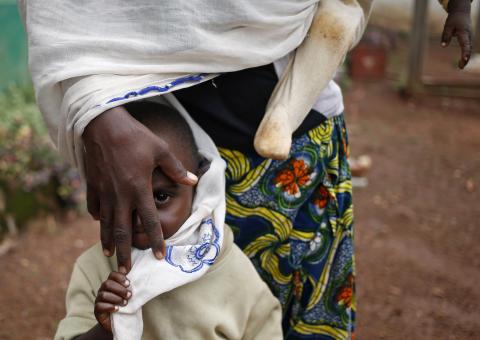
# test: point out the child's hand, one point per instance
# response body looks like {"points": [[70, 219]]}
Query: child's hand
{"points": [[112, 294], [458, 24]]}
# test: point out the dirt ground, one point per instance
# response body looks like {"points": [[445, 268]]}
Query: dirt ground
{"points": [[417, 227], [417, 223]]}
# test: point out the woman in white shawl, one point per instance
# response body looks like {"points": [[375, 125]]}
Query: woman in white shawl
{"points": [[292, 217]]}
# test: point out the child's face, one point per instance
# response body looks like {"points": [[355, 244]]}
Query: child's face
{"points": [[173, 200], [174, 206]]}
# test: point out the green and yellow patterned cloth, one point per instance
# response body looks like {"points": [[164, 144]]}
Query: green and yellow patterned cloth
{"points": [[294, 219]]}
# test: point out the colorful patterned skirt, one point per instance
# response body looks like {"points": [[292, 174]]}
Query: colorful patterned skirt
{"points": [[294, 220]]}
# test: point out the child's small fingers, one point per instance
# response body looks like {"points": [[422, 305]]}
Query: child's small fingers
{"points": [[120, 278], [109, 297], [104, 307], [465, 42], [116, 288], [447, 35]]}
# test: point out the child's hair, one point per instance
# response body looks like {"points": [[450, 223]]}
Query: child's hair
{"points": [[171, 123]]}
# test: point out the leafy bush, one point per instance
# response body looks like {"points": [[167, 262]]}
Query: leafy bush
{"points": [[32, 176]]}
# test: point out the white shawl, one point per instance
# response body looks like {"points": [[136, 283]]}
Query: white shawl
{"points": [[88, 56], [83, 54]]}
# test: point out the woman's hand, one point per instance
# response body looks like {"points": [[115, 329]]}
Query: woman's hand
{"points": [[113, 294], [458, 24], [120, 157]]}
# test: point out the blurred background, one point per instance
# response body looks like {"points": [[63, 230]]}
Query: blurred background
{"points": [[414, 122]]}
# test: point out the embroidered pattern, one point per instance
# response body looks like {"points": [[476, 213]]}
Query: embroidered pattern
{"points": [[193, 258], [160, 89]]}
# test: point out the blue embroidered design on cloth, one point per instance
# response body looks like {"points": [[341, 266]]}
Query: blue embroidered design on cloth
{"points": [[191, 259], [160, 89]]}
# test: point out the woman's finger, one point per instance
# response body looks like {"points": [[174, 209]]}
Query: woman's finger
{"points": [[465, 41], [106, 228], [172, 167], [93, 202], [447, 35], [148, 214], [122, 234]]}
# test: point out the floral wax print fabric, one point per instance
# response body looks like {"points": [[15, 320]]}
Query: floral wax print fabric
{"points": [[294, 220]]}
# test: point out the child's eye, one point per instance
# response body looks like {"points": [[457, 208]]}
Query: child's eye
{"points": [[161, 198]]}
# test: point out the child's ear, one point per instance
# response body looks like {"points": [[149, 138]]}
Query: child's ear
{"points": [[203, 167]]}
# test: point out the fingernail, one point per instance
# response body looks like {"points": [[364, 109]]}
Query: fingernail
{"points": [[122, 269], [127, 283], [124, 302], [106, 252], [129, 294], [444, 44], [159, 255], [116, 308], [192, 177]]}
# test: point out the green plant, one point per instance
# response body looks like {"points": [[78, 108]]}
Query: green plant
{"points": [[31, 171]]}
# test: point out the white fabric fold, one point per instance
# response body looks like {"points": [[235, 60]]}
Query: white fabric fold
{"points": [[85, 98], [83, 54], [336, 28], [190, 251]]}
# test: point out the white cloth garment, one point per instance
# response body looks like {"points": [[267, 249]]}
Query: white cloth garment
{"points": [[330, 101], [335, 29], [190, 251], [84, 54]]}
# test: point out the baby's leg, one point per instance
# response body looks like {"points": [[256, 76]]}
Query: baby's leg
{"points": [[333, 31]]}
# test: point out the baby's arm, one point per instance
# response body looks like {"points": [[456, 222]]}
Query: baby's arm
{"points": [[458, 24], [88, 314], [112, 294]]}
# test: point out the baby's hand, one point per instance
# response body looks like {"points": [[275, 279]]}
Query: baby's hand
{"points": [[112, 294], [458, 24]]}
